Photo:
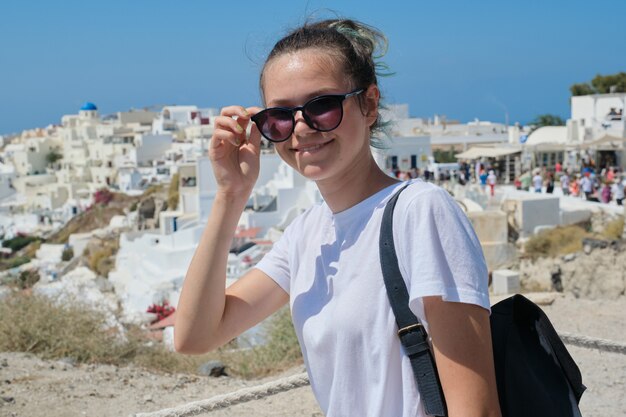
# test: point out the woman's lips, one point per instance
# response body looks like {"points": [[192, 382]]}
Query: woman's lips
{"points": [[311, 148]]}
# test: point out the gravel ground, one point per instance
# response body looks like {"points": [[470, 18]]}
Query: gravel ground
{"points": [[30, 387]]}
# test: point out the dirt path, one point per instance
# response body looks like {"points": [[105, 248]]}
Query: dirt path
{"points": [[30, 387]]}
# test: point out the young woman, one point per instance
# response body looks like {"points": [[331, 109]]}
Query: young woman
{"points": [[321, 94]]}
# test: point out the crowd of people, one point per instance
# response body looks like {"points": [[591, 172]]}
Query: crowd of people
{"points": [[606, 186]]}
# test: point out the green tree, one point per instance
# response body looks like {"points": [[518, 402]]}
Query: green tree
{"points": [[581, 90], [52, 157], [443, 156], [601, 84], [605, 84], [546, 120]]}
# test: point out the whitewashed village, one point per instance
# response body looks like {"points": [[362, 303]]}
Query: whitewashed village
{"points": [[107, 210], [138, 254]]}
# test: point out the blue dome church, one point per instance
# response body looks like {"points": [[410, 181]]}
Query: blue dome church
{"points": [[88, 111]]}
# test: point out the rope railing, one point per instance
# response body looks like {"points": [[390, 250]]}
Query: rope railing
{"points": [[233, 398], [593, 343], [296, 381]]}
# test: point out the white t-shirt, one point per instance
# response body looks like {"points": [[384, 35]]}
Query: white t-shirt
{"points": [[329, 265]]}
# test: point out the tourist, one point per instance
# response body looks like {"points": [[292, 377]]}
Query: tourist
{"points": [[618, 190], [525, 179], [610, 175], [574, 187], [564, 180], [483, 180], [320, 90], [605, 193], [549, 183], [587, 186], [537, 182], [491, 180]]}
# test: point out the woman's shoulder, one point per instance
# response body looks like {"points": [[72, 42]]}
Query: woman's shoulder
{"points": [[424, 194]]}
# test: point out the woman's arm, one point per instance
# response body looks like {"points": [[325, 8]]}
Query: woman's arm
{"points": [[208, 315], [461, 339]]}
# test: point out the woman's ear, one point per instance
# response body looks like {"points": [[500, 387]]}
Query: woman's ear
{"points": [[372, 97]]}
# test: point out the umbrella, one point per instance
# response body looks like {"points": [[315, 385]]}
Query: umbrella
{"points": [[606, 140]]}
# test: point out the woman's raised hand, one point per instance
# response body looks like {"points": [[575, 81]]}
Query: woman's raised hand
{"points": [[234, 156]]}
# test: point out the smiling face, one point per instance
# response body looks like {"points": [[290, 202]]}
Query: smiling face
{"points": [[292, 79]]}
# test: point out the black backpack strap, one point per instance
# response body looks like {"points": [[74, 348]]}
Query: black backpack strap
{"points": [[411, 332]]}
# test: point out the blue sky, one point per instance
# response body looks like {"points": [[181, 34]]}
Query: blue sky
{"points": [[465, 59]]}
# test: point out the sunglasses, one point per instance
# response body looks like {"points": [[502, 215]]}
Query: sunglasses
{"points": [[322, 113]]}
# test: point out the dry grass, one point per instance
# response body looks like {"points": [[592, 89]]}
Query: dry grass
{"points": [[172, 194], [98, 217], [614, 229], [280, 352], [556, 242], [568, 239], [37, 325], [102, 260]]}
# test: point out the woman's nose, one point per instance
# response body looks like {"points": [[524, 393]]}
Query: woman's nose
{"points": [[301, 126]]}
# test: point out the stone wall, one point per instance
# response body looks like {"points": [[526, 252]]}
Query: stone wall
{"points": [[599, 274]]}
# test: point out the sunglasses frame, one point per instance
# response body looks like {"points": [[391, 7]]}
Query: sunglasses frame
{"points": [[293, 110]]}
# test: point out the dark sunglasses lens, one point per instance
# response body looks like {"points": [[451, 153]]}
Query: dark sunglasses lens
{"points": [[324, 113], [275, 124]]}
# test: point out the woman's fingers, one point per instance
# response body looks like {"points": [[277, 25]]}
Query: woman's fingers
{"points": [[221, 136], [255, 134], [232, 120], [229, 129]]}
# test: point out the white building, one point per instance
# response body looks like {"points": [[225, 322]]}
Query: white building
{"points": [[176, 118], [30, 156], [151, 265], [596, 115], [596, 130], [7, 177]]}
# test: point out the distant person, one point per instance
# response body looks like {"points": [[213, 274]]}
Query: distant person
{"points": [[549, 183], [605, 193], [587, 186], [526, 180], [595, 184], [478, 168], [321, 109], [564, 180], [618, 191], [538, 182], [558, 167], [574, 187], [610, 175], [517, 183], [483, 180], [491, 180]]}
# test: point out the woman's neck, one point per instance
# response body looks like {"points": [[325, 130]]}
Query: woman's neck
{"points": [[355, 186]]}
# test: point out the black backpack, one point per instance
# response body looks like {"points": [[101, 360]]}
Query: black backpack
{"points": [[535, 374]]}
